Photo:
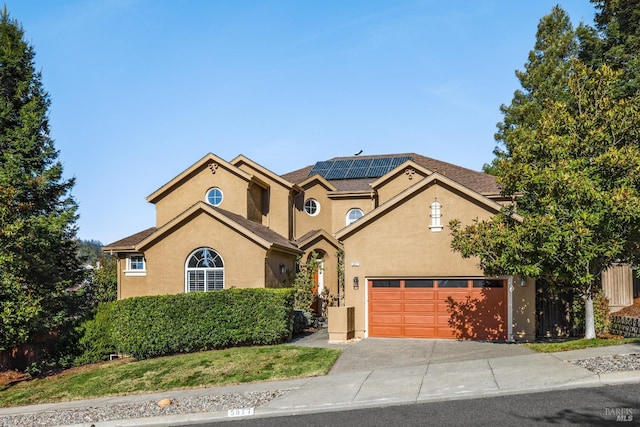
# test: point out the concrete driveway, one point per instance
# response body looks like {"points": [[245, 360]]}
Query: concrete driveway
{"points": [[378, 353]]}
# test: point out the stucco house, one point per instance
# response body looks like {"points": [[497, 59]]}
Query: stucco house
{"points": [[222, 224]]}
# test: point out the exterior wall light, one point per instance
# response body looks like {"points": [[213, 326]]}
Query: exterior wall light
{"points": [[356, 283], [283, 269]]}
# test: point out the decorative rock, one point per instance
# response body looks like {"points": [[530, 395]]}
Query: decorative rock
{"points": [[142, 409], [164, 402]]}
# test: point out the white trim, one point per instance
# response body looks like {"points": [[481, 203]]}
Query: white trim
{"points": [[347, 219], [317, 204], [365, 333], [128, 271], [436, 214], [186, 270], [135, 273], [206, 196]]}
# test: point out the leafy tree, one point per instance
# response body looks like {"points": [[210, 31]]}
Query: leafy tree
{"points": [[544, 77], [577, 172], [102, 282], [37, 214], [615, 41]]}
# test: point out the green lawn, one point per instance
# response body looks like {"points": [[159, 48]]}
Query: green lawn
{"points": [[552, 347], [205, 369]]}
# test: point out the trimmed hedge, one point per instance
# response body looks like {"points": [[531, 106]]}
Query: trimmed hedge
{"points": [[97, 342], [153, 326]]}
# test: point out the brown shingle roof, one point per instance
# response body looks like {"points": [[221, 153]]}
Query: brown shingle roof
{"points": [[131, 241], [476, 181], [258, 229]]}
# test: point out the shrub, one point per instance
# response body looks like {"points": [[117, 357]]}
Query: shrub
{"points": [[97, 341], [153, 326]]}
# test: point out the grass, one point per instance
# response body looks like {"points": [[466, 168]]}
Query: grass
{"points": [[552, 347], [205, 369]]}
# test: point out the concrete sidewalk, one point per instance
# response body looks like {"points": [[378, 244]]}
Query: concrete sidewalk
{"points": [[398, 372]]}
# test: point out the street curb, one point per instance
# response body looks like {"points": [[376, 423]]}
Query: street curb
{"points": [[265, 412]]}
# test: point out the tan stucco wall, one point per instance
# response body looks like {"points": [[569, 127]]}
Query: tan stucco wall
{"points": [[524, 307], [398, 183], [244, 261], [340, 208], [129, 286], [400, 244], [324, 220], [274, 278], [279, 209], [194, 188]]}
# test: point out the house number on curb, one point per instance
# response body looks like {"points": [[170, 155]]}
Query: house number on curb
{"points": [[241, 412]]}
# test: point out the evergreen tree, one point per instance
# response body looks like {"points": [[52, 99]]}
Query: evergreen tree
{"points": [[545, 77], [571, 160], [37, 213], [577, 178], [615, 41]]}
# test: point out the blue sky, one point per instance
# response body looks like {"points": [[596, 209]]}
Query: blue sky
{"points": [[141, 89]]}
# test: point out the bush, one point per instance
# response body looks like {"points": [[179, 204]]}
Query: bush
{"points": [[97, 342], [153, 326], [600, 313]]}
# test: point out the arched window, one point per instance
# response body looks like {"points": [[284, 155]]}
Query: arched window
{"points": [[436, 214], [353, 215], [204, 271]]}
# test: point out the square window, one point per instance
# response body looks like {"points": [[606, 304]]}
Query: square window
{"points": [[136, 262]]}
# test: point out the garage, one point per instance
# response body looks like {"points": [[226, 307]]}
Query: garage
{"points": [[467, 308]]}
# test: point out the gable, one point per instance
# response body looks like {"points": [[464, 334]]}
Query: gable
{"points": [[196, 222], [398, 180], [192, 186], [410, 211]]}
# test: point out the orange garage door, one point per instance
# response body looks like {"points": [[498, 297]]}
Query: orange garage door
{"points": [[438, 308]]}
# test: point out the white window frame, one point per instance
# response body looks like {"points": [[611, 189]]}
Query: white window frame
{"points": [[436, 215], [315, 203], [350, 221], [205, 270], [206, 196], [130, 271]]}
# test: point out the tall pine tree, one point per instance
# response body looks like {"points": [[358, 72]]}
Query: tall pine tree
{"points": [[615, 41], [37, 213], [545, 77]]}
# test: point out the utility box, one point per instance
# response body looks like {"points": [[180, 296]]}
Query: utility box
{"points": [[342, 323]]}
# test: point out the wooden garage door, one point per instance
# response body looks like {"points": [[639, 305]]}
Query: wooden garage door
{"points": [[438, 308]]}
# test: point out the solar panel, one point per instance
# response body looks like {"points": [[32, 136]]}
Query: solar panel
{"points": [[336, 174], [381, 161], [377, 172], [357, 173], [357, 168], [397, 161], [361, 163]]}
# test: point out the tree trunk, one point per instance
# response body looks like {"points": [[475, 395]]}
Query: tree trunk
{"points": [[589, 320]]}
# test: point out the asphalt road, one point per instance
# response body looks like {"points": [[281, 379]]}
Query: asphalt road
{"points": [[593, 406]]}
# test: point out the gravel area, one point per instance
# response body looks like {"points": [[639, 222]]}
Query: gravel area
{"points": [[616, 363], [187, 405]]}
